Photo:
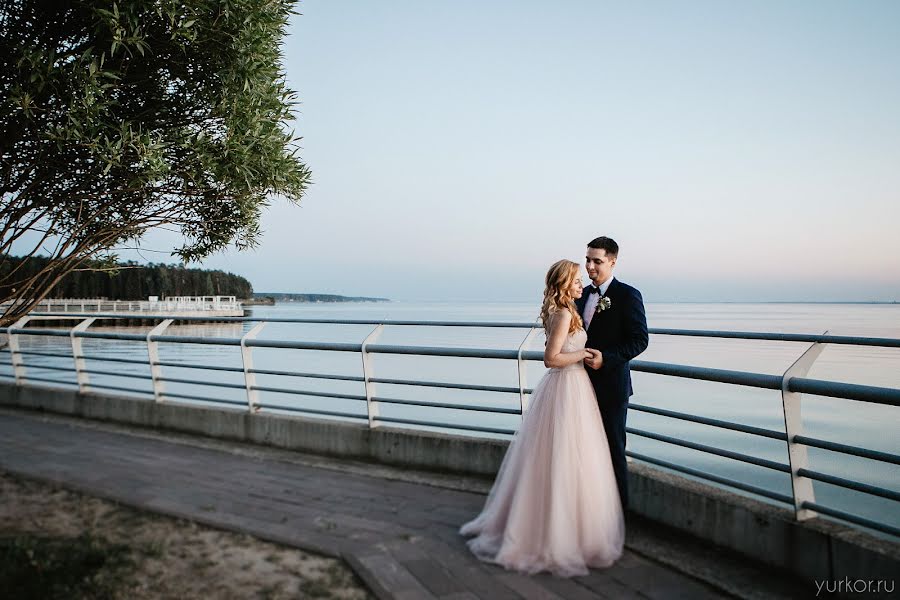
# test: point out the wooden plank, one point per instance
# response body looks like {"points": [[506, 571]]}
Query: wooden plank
{"points": [[527, 587], [469, 571], [607, 587], [433, 576], [386, 577], [658, 583]]}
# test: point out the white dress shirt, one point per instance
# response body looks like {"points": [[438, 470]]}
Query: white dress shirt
{"points": [[591, 305]]}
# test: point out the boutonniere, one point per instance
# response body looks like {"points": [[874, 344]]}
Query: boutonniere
{"points": [[603, 304]]}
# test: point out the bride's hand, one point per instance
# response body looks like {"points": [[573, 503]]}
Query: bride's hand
{"points": [[594, 359]]}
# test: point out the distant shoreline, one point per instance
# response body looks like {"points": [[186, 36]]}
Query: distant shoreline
{"points": [[274, 297]]}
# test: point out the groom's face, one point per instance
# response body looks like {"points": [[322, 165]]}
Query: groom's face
{"points": [[599, 265]]}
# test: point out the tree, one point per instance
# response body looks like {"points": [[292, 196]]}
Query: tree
{"points": [[119, 117]]}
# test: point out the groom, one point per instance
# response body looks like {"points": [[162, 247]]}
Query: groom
{"points": [[613, 314]]}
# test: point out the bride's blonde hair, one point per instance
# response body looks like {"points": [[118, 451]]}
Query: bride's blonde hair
{"points": [[556, 294]]}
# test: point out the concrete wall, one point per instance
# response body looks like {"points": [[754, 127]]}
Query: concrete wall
{"points": [[815, 550], [403, 447]]}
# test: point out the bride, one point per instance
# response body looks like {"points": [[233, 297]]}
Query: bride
{"points": [[554, 505]]}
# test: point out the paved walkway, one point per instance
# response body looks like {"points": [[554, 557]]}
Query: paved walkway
{"points": [[398, 536]]}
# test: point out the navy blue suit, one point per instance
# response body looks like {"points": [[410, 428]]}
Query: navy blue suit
{"points": [[620, 333]]}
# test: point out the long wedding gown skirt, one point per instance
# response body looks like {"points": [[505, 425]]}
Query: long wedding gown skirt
{"points": [[554, 505]]}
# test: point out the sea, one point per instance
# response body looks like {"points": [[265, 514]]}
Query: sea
{"points": [[857, 423]]}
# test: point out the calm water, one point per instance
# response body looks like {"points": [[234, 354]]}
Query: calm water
{"points": [[857, 423]]}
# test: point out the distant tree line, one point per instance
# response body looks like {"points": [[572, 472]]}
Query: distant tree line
{"points": [[132, 281], [291, 297]]}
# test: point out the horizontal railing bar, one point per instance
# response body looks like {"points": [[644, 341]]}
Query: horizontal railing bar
{"points": [[848, 391], [833, 512], [264, 388], [783, 337], [39, 353], [36, 331], [116, 374], [493, 409], [179, 365], [445, 425], [753, 460], [846, 449], [234, 386], [452, 386], [394, 349], [49, 380], [307, 375], [759, 380], [710, 477], [203, 399], [330, 413], [769, 433], [111, 335], [194, 339], [850, 485], [8, 375], [440, 351], [296, 345], [132, 361], [51, 368], [119, 388]]}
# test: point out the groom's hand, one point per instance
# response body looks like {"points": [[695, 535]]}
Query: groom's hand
{"points": [[595, 360]]}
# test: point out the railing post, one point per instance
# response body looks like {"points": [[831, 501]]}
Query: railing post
{"points": [[15, 352], [368, 373], [802, 487], [249, 377], [523, 400], [153, 353], [78, 355]]}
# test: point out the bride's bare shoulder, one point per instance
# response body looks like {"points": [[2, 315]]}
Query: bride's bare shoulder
{"points": [[558, 318]]}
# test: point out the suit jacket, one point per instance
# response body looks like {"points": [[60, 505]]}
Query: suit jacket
{"points": [[620, 333]]}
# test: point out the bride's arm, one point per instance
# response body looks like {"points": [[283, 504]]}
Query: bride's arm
{"points": [[559, 331]]}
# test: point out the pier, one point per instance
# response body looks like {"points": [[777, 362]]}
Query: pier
{"points": [[387, 494], [176, 306]]}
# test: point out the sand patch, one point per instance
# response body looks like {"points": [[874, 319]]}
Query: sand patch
{"points": [[175, 558]]}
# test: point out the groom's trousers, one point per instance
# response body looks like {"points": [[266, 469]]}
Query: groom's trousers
{"points": [[613, 413]]}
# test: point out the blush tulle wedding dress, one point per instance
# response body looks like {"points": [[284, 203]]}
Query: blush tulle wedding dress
{"points": [[554, 505]]}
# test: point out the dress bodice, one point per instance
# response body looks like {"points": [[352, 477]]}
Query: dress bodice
{"points": [[575, 341]]}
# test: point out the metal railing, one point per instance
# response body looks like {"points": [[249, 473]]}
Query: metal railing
{"points": [[791, 384]]}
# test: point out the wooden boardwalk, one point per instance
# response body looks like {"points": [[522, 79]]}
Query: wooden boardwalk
{"points": [[399, 536]]}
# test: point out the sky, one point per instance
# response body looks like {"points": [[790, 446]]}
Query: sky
{"points": [[736, 151]]}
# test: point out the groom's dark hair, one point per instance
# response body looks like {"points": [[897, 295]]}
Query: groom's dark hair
{"points": [[605, 243]]}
